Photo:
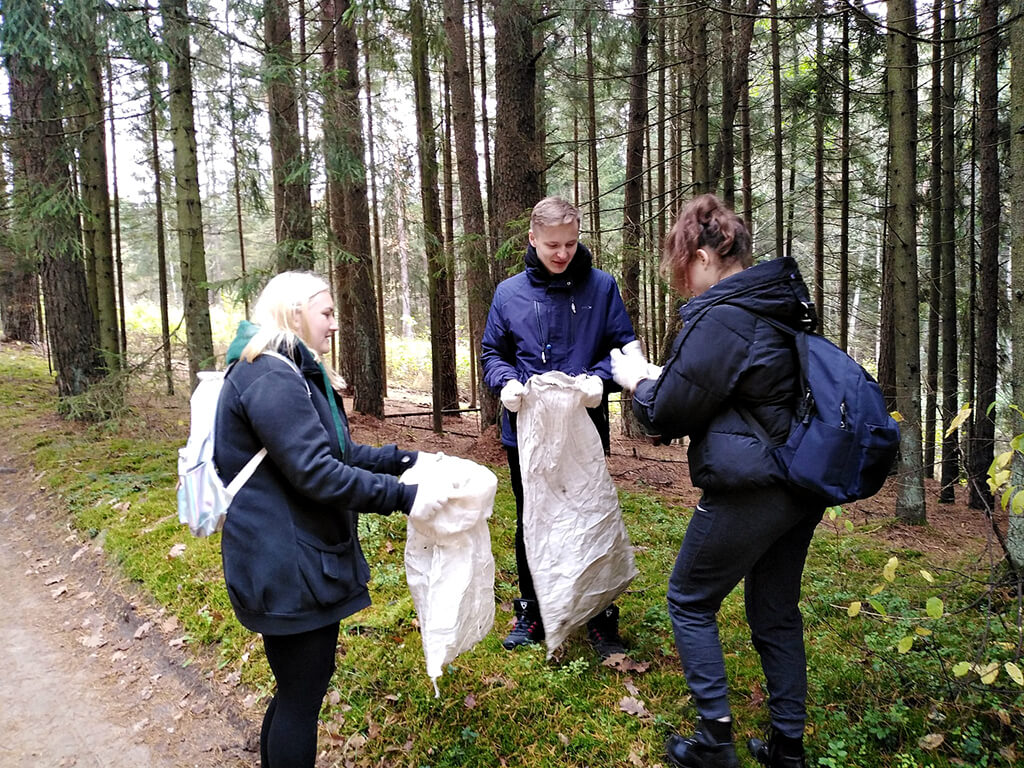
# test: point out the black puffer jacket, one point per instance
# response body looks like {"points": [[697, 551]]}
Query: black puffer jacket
{"points": [[727, 358], [291, 555]]}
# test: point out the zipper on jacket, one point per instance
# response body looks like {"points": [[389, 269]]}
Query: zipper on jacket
{"points": [[544, 346]]}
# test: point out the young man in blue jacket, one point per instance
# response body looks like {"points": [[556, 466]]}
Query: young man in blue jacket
{"points": [[559, 314]]}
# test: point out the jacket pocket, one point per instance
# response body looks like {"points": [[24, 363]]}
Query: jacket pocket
{"points": [[333, 573]]}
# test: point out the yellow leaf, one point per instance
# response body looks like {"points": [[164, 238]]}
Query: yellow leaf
{"points": [[922, 631], [853, 609], [989, 673], [897, 416], [934, 608], [959, 419], [877, 589], [961, 669], [1014, 672], [889, 571], [905, 644], [1017, 505], [927, 577]]}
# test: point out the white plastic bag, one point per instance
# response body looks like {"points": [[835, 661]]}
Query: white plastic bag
{"points": [[448, 562], [576, 542]]}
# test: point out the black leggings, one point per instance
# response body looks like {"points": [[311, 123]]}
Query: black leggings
{"points": [[302, 665]]}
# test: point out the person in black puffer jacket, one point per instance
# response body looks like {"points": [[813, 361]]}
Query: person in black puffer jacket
{"points": [[290, 549], [727, 367]]}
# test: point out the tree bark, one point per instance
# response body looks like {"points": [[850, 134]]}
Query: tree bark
{"points": [[293, 215], [982, 449], [17, 275], [902, 86], [473, 248], [442, 308]]}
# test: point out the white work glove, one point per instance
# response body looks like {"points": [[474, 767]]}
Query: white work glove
{"points": [[633, 348], [653, 371], [592, 388], [431, 495], [629, 370], [512, 395]]}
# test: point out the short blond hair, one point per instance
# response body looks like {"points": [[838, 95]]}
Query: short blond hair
{"points": [[554, 211]]}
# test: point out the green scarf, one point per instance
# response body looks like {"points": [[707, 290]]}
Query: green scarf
{"points": [[329, 389]]}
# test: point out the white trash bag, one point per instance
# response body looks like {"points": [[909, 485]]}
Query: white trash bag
{"points": [[579, 552], [448, 562]]}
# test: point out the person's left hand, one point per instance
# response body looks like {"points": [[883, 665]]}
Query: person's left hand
{"points": [[592, 388], [629, 370]]}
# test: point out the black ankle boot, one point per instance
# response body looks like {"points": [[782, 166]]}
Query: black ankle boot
{"points": [[702, 750], [603, 633], [778, 751], [528, 628]]}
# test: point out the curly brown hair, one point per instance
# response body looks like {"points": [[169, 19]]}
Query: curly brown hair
{"points": [[704, 222]]}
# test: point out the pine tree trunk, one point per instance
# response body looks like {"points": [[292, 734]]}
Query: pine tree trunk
{"points": [[191, 245], [42, 184], [479, 286], [699, 123], [442, 310], [902, 86], [17, 275], [776, 126], [982, 449], [934, 246], [517, 161], [366, 373], [844, 194], [947, 289], [1015, 530], [292, 210], [819, 164], [594, 176]]}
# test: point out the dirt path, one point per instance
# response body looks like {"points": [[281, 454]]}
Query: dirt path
{"points": [[90, 675]]}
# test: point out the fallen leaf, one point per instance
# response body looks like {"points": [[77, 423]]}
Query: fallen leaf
{"points": [[176, 642], [470, 701], [93, 641], [61, 590], [631, 689], [55, 580], [931, 741], [634, 759], [176, 551], [143, 630], [633, 706], [622, 663]]}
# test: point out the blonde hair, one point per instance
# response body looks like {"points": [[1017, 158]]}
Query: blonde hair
{"points": [[554, 211], [280, 316]]}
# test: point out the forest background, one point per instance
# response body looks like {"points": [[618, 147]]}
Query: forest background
{"points": [[160, 162]]}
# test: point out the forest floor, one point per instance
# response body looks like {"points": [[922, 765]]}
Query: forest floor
{"points": [[94, 674]]}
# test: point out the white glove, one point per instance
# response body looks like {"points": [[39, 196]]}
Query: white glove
{"points": [[629, 370], [592, 388], [653, 371], [633, 348], [430, 497], [512, 395]]}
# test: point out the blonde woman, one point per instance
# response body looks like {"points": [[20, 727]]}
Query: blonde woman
{"points": [[290, 550]]}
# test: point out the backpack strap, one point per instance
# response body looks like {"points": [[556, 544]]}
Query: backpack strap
{"points": [[252, 464]]}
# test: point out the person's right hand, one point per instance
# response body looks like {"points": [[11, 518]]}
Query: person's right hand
{"points": [[512, 395], [629, 370], [430, 497]]}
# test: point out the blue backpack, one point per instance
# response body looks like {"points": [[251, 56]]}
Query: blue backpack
{"points": [[843, 442]]}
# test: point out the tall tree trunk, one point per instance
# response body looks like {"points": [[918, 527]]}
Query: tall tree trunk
{"points": [[844, 194], [777, 126], [116, 204], [17, 273], [236, 169], [350, 176], [934, 246], [42, 183], [947, 289], [153, 88], [1015, 531], [819, 162], [902, 86], [492, 229], [982, 449], [293, 214], [442, 309], [516, 155], [479, 286], [632, 235], [595, 176], [378, 257], [700, 119], [95, 192], [191, 245]]}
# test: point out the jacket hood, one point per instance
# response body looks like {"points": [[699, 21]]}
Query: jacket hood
{"points": [[581, 263], [243, 336], [773, 288]]}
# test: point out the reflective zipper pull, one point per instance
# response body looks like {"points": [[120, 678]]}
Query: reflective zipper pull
{"points": [[572, 304]]}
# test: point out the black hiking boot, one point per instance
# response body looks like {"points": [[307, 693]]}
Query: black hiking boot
{"points": [[778, 751], [702, 750], [603, 633], [528, 628]]}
